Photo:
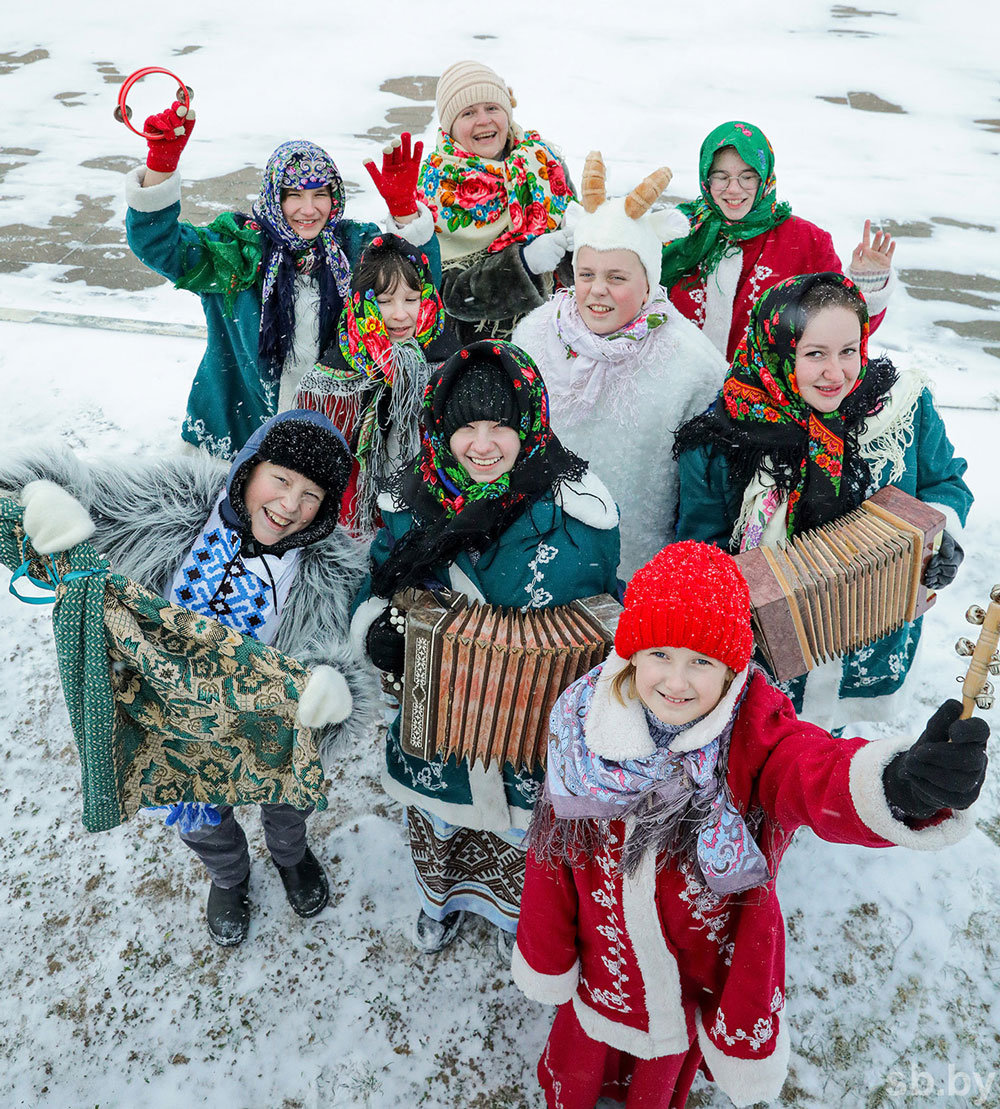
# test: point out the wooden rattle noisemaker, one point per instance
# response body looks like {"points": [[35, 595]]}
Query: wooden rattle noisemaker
{"points": [[977, 691]]}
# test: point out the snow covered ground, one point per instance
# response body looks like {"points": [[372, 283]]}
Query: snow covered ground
{"points": [[115, 997]]}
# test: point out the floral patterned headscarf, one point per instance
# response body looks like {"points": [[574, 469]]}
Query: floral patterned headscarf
{"points": [[711, 234], [362, 336], [489, 203], [760, 389], [452, 512], [443, 475], [297, 165]]}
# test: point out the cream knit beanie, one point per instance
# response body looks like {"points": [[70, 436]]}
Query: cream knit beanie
{"points": [[466, 83]]}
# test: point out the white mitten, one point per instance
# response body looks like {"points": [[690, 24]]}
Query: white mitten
{"points": [[543, 254], [326, 698], [54, 519], [571, 217]]}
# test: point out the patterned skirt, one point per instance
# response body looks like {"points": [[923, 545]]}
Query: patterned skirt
{"points": [[461, 868]]}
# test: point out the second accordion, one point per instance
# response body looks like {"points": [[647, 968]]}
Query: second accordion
{"points": [[841, 586], [480, 681]]}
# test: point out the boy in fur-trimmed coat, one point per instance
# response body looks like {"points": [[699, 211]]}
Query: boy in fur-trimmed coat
{"points": [[260, 551]]}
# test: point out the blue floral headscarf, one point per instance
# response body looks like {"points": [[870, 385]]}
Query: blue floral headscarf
{"points": [[297, 164]]}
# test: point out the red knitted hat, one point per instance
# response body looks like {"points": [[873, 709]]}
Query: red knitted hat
{"points": [[689, 595]]}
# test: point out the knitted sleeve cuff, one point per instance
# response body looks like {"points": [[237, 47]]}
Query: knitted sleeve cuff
{"points": [[550, 989], [156, 197], [869, 281]]}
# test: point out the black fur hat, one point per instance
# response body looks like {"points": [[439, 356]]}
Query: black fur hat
{"points": [[307, 443]]}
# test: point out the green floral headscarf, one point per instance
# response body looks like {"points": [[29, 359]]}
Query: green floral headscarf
{"points": [[711, 234]]}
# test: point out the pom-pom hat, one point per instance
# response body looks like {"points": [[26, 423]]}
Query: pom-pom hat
{"points": [[688, 595], [466, 83]]}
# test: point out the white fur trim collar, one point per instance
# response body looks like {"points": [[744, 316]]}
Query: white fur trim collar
{"points": [[617, 732], [589, 501], [720, 296]]}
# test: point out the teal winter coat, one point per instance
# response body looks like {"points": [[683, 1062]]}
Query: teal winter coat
{"points": [[556, 552], [232, 394]]}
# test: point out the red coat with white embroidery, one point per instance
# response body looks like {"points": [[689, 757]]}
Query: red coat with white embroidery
{"points": [[792, 247], [636, 955]]}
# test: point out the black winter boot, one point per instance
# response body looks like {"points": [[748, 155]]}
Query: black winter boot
{"points": [[228, 913], [430, 935], [305, 885]]}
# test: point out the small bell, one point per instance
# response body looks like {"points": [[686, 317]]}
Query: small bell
{"points": [[964, 647], [994, 664], [984, 701], [995, 593], [975, 615]]}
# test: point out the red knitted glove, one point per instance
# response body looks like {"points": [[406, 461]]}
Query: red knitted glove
{"points": [[397, 183], [176, 125]]}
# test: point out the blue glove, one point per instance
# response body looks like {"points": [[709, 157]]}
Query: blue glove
{"points": [[189, 816]]}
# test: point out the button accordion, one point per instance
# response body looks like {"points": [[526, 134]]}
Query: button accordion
{"points": [[480, 681], [841, 586]]}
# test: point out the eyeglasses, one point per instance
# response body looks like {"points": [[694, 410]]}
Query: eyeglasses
{"points": [[748, 179]]}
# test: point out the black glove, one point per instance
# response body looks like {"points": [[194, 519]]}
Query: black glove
{"points": [[385, 642], [944, 563], [935, 774]]}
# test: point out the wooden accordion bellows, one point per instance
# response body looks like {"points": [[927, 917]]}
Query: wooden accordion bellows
{"points": [[480, 681], [841, 586]]}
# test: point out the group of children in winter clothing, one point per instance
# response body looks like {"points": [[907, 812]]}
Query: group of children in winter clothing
{"points": [[369, 378]]}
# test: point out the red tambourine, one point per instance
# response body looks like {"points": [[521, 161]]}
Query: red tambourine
{"points": [[123, 113]]}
